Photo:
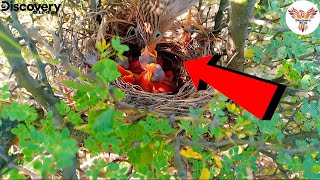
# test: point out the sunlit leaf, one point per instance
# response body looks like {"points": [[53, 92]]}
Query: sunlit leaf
{"points": [[189, 153], [217, 160]]}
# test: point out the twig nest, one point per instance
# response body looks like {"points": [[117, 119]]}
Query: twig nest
{"points": [[174, 49]]}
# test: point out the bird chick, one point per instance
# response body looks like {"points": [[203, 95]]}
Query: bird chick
{"points": [[126, 75], [147, 57], [153, 79]]}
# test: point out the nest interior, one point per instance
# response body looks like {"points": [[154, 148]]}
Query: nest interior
{"points": [[116, 21]]}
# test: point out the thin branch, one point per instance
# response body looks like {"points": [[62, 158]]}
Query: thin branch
{"points": [[12, 51], [219, 16], [257, 144], [41, 66], [280, 166], [15, 166], [182, 173], [260, 22]]}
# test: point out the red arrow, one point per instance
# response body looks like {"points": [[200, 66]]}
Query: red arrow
{"points": [[258, 96]]}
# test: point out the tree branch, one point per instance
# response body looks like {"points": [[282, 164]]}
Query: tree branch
{"points": [[15, 166], [241, 13], [12, 51], [178, 160], [219, 16], [257, 144], [273, 157], [41, 66]]}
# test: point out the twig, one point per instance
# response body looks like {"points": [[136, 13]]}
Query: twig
{"points": [[182, 173], [258, 144], [260, 22], [15, 166], [219, 16], [273, 157]]}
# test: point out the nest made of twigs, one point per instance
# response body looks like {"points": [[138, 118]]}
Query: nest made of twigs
{"points": [[119, 20]]}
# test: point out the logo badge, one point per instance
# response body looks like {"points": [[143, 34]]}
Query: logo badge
{"points": [[303, 17]]}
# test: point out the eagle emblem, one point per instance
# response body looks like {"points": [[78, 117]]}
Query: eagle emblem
{"points": [[303, 17]]}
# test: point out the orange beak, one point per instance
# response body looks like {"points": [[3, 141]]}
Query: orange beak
{"points": [[150, 50]]}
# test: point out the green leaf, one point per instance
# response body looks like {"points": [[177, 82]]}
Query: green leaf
{"points": [[113, 167], [107, 70], [104, 122], [267, 127], [290, 39], [4, 94], [315, 168], [282, 52], [258, 54], [216, 131], [37, 165], [311, 168], [99, 46], [298, 67], [305, 81], [74, 118], [78, 86], [195, 113], [65, 132], [119, 94], [140, 155], [93, 172], [116, 44], [92, 145], [14, 174], [279, 136], [5, 88], [164, 126], [63, 108]]}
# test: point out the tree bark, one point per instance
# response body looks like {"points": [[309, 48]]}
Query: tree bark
{"points": [[12, 51], [241, 13]]}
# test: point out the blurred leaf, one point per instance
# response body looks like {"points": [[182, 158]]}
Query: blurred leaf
{"points": [[63, 108], [78, 86], [74, 118], [248, 53], [107, 70], [119, 94], [116, 44]]}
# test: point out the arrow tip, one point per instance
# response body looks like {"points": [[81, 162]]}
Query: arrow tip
{"points": [[215, 58], [194, 68], [202, 85]]}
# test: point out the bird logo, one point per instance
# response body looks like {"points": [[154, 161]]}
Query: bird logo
{"points": [[303, 17]]}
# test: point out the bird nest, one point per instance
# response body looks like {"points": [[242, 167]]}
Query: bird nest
{"points": [[119, 20]]}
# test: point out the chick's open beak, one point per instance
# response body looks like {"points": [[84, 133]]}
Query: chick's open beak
{"points": [[148, 56], [149, 51]]}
